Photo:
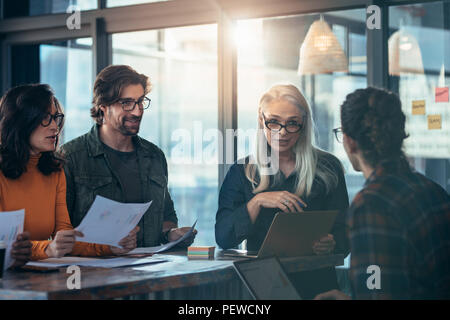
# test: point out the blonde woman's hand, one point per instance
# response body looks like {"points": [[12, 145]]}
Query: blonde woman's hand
{"points": [[325, 245], [283, 200]]}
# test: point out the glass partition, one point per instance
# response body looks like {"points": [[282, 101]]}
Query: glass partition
{"points": [[419, 67], [67, 67], [183, 118]]}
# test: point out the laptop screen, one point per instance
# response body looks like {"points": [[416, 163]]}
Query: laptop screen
{"points": [[276, 284]]}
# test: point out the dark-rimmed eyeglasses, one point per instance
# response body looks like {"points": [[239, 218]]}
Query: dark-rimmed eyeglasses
{"points": [[58, 117], [275, 126], [130, 104], [338, 134]]}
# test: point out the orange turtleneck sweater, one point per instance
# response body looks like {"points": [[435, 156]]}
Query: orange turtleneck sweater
{"points": [[44, 200]]}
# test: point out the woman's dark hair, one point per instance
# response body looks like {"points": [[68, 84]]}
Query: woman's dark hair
{"points": [[109, 85], [22, 110], [375, 120]]}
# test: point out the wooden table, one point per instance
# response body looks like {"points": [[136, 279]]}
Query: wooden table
{"points": [[179, 278]]}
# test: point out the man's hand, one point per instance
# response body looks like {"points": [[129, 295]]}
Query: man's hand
{"points": [[128, 243], [21, 250], [177, 233], [325, 245], [63, 243], [332, 295]]}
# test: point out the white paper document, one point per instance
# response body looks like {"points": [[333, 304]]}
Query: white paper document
{"points": [[11, 224], [108, 222], [164, 247], [94, 262]]}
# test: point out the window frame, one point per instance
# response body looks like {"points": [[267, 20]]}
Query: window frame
{"points": [[99, 24]]}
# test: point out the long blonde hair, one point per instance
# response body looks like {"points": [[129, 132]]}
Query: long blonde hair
{"points": [[306, 154]]}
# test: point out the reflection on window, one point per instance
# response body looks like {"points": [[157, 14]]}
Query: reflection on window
{"points": [[60, 68], [268, 53], [422, 27], [182, 66], [119, 3], [59, 6]]}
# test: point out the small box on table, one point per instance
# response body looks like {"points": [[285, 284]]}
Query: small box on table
{"points": [[201, 252]]}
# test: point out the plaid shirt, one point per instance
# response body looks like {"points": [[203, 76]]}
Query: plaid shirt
{"points": [[400, 221]]}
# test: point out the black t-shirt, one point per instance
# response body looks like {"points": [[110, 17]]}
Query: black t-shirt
{"points": [[126, 166]]}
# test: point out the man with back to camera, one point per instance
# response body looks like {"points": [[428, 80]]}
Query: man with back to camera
{"points": [[399, 223], [113, 161]]}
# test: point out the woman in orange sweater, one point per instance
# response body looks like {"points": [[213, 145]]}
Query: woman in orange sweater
{"points": [[31, 178]]}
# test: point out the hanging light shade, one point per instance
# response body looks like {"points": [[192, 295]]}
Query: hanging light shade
{"points": [[404, 54], [321, 52]]}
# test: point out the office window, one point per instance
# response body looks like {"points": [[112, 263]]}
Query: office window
{"points": [[268, 53], [67, 68], [418, 74], [182, 120], [20, 8], [119, 3]]}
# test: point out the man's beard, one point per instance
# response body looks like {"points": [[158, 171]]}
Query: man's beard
{"points": [[127, 131]]}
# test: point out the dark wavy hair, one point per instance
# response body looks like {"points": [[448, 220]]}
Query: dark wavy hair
{"points": [[374, 119], [109, 84], [22, 110]]}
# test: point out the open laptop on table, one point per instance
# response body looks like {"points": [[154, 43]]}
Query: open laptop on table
{"points": [[291, 235], [276, 284]]}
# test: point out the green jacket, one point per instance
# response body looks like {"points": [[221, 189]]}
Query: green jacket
{"points": [[88, 174]]}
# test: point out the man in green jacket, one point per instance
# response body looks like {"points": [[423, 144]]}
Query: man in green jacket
{"points": [[113, 161]]}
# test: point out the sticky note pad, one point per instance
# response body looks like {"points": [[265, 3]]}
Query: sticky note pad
{"points": [[434, 122], [201, 252], [418, 107], [441, 94]]}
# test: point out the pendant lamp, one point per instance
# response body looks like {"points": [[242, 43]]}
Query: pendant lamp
{"points": [[404, 54], [321, 52]]}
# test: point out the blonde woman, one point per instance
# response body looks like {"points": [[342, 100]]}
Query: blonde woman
{"points": [[308, 178]]}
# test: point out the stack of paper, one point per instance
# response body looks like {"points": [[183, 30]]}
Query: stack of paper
{"points": [[11, 224], [201, 252], [93, 262]]}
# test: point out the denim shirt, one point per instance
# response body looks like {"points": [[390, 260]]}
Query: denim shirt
{"points": [[88, 174], [233, 224]]}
